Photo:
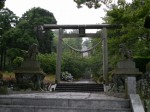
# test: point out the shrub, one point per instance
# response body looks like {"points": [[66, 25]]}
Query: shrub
{"points": [[17, 62], [48, 62], [74, 64], [141, 63]]}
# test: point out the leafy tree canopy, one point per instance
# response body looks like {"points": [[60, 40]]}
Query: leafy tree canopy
{"points": [[95, 3], [7, 19], [31, 20], [2, 3], [38, 16], [73, 42], [133, 33], [26, 31]]}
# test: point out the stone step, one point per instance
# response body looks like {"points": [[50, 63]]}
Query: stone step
{"points": [[63, 102], [80, 84], [78, 90], [19, 108], [79, 87], [70, 103]]}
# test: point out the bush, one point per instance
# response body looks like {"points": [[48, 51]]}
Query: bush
{"points": [[17, 62], [141, 63], [48, 62], [74, 64], [96, 67]]}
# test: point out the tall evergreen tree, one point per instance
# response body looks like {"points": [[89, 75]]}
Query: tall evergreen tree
{"points": [[7, 20], [2, 4], [35, 17]]}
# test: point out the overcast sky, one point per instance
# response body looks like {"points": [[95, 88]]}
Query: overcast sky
{"points": [[65, 11]]}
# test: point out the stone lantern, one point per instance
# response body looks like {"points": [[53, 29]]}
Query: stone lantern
{"points": [[30, 74]]}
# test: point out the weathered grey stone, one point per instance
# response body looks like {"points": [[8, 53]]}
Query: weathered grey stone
{"points": [[131, 85], [30, 74], [127, 67], [58, 109], [92, 103], [22, 109], [63, 102], [126, 64], [136, 103], [4, 109], [5, 101], [125, 52], [14, 108], [106, 88]]}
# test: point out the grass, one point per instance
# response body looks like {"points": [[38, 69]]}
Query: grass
{"points": [[7, 75], [48, 78]]}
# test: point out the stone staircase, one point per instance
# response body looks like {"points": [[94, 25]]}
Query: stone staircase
{"points": [[47, 104], [79, 87]]}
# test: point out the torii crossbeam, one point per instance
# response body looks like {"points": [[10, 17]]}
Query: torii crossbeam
{"points": [[90, 26]]}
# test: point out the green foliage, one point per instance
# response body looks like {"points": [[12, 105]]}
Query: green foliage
{"points": [[12, 53], [18, 38], [141, 63], [74, 64], [87, 43], [73, 42], [92, 3], [30, 22], [48, 62], [133, 34], [2, 3], [96, 64], [25, 32], [95, 59], [147, 101], [8, 18], [39, 16], [17, 62], [97, 3]]}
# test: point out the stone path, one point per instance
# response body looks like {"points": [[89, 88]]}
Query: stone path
{"points": [[80, 81], [63, 95]]}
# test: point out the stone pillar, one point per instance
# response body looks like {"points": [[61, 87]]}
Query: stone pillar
{"points": [[59, 56], [131, 85], [105, 55]]}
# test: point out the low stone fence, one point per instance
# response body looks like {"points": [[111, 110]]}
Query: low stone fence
{"points": [[146, 105], [136, 103]]}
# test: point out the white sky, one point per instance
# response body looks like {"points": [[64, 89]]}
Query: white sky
{"points": [[65, 11]]}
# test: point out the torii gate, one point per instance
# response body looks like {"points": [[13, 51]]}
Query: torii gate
{"points": [[81, 28]]}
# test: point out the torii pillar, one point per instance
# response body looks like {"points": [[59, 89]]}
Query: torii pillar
{"points": [[105, 55], [59, 56]]}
